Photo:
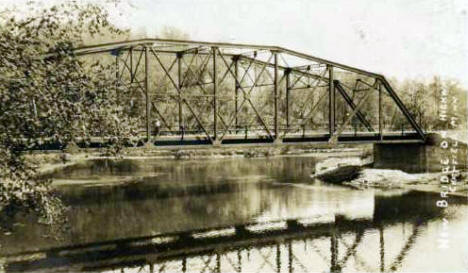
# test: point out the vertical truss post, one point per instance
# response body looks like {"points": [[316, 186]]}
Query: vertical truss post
{"points": [[184, 264], [235, 59], [116, 71], [130, 51], [331, 101], [148, 109], [380, 113], [382, 249], [117, 75], [278, 257], [179, 91], [275, 84], [215, 90], [287, 73], [218, 263], [334, 251], [239, 261]]}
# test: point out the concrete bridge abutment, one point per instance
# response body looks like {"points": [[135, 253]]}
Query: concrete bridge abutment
{"points": [[408, 157], [434, 155]]}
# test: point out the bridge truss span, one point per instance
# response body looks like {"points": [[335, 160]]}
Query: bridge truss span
{"points": [[222, 93]]}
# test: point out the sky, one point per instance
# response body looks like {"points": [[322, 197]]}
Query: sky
{"points": [[397, 38]]}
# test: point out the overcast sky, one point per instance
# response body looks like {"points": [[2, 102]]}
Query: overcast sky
{"points": [[398, 38]]}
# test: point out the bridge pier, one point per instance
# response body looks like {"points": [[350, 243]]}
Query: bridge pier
{"points": [[408, 157], [422, 157]]}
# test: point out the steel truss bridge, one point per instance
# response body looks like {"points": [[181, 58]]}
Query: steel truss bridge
{"points": [[223, 93]]}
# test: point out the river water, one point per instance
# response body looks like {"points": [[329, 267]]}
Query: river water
{"points": [[236, 215]]}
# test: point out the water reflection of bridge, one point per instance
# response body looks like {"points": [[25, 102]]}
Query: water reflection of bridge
{"points": [[292, 245]]}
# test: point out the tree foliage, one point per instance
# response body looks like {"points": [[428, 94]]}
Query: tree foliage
{"points": [[423, 99], [47, 93]]}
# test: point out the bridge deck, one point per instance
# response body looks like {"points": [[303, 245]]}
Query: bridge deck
{"points": [[241, 138], [197, 139]]}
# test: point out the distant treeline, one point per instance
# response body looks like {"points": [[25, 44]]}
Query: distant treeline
{"points": [[426, 98]]}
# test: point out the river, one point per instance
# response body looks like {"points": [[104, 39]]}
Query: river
{"points": [[235, 215]]}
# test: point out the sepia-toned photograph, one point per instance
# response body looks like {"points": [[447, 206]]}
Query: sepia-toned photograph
{"points": [[233, 136]]}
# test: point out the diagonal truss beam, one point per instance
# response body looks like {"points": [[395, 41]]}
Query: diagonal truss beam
{"points": [[311, 92], [251, 121], [407, 247], [352, 249], [200, 84], [351, 104], [246, 94], [183, 98], [142, 89], [339, 131], [402, 107], [314, 108]]}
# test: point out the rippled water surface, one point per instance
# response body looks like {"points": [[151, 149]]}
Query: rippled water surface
{"points": [[236, 215]]}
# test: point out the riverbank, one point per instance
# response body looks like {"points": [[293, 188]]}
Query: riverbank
{"points": [[331, 159], [49, 162]]}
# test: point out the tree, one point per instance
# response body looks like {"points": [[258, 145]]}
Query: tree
{"points": [[47, 93]]}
